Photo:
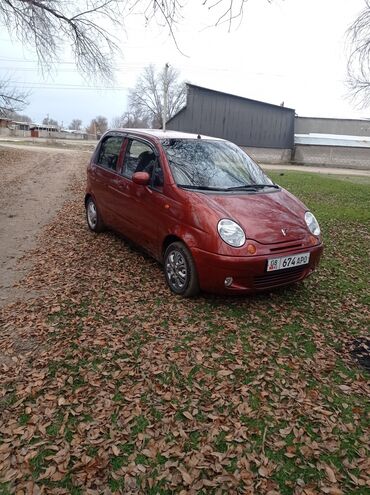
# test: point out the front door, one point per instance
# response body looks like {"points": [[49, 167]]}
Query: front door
{"points": [[151, 212], [141, 205]]}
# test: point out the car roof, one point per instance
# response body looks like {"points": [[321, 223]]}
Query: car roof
{"points": [[167, 134]]}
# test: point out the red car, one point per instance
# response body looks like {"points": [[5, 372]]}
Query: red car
{"points": [[203, 208]]}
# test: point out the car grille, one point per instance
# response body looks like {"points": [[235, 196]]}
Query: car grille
{"points": [[286, 247], [282, 277]]}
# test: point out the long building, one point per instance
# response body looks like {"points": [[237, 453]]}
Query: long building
{"points": [[265, 130], [335, 142]]}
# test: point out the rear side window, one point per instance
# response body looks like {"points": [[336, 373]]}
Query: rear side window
{"points": [[109, 152], [139, 157]]}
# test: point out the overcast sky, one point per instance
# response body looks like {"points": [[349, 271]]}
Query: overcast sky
{"points": [[291, 50]]}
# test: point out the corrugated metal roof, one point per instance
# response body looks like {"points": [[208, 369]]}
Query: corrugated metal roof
{"points": [[365, 119], [240, 97], [332, 140]]}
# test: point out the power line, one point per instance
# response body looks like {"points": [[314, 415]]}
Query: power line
{"points": [[133, 67], [25, 85], [65, 62], [128, 66]]}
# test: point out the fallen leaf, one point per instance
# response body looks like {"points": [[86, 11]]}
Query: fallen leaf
{"points": [[116, 450], [330, 474]]}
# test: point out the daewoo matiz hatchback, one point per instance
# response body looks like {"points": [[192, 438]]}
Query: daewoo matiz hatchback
{"points": [[203, 208]]}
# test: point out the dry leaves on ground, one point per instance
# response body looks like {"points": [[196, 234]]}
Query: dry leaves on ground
{"points": [[129, 389]]}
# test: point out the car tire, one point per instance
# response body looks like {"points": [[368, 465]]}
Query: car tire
{"points": [[93, 217], [180, 271]]}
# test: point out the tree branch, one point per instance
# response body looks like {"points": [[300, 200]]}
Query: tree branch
{"points": [[358, 67], [11, 99]]}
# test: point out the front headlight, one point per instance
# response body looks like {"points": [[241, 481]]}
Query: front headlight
{"points": [[231, 233], [312, 223]]}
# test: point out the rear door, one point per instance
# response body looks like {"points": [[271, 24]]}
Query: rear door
{"points": [[104, 176]]}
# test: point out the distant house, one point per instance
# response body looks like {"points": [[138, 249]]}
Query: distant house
{"points": [[21, 126], [5, 127], [5, 122], [41, 130]]}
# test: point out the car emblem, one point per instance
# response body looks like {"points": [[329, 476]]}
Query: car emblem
{"points": [[284, 232]]}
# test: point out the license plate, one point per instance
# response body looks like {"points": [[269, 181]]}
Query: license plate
{"points": [[274, 264]]}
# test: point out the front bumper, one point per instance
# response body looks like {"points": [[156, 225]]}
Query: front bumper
{"points": [[249, 272]]}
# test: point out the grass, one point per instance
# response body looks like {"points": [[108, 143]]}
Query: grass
{"points": [[327, 197], [158, 389]]}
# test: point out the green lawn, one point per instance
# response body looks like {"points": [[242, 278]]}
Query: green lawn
{"points": [[134, 390]]}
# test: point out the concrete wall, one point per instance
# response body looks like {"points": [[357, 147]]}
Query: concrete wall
{"points": [[75, 137], [60, 135], [335, 156], [269, 155], [6, 132], [343, 127], [19, 133], [240, 120]]}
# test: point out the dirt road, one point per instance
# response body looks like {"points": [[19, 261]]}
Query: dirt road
{"points": [[33, 186]]}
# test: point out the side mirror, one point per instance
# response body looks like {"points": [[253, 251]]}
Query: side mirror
{"points": [[141, 178]]}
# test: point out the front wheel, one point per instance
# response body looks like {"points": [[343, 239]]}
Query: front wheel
{"points": [[180, 271], [93, 217]]}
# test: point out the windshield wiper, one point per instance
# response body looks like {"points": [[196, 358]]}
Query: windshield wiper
{"points": [[201, 188], [248, 187], [252, 186]]}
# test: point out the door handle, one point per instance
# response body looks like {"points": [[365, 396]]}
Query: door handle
{"points": [[119, 190]]}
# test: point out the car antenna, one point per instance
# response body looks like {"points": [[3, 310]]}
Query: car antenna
{"points": [[199, 136]]}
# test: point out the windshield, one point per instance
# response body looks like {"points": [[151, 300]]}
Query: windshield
{"points": [[211, 164]]}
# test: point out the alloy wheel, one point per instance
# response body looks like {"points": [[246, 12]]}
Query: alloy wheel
{"points": [[177, 270], [92, 216]]}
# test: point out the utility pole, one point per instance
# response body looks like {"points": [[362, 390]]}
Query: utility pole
{"points": [[165, 94]]}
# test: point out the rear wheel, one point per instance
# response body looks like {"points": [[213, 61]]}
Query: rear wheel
{"points": [[93, 217], [180, 271]]}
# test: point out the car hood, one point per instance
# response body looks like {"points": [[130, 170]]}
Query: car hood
{"points": [[263, 216]]}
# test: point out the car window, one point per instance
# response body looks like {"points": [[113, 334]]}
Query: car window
{"points": [[157, 176], [139, 157], [109, 152]]}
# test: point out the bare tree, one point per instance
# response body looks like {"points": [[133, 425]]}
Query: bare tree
{"points": [[75, 125], [101, 124], [131, 119], [359, 59], [169, 12], [97, 126], [46, 25], [146, 99], [11, 99], [86, 26], [51, 122], [19, 117]]}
